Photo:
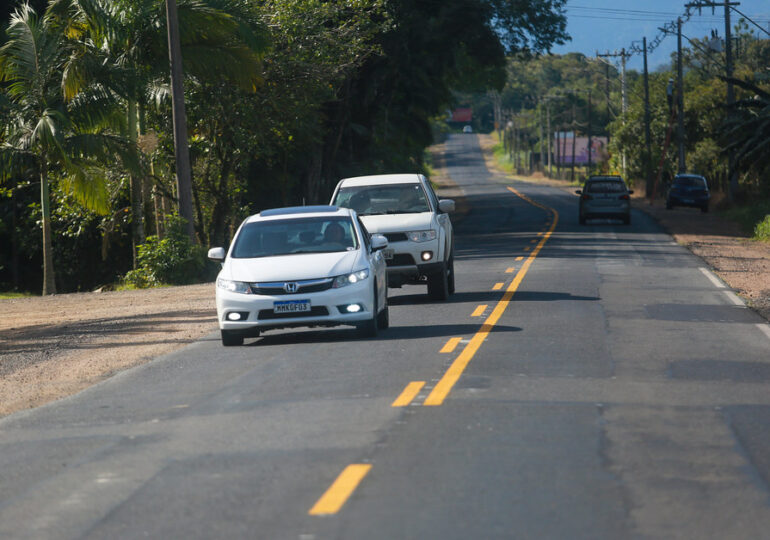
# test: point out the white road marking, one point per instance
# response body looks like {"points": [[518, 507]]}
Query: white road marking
{"points": [[765, 329], [712, 278], [734, 298]]}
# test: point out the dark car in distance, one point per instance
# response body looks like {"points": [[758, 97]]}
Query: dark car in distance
{"points": [[604, 197], [688, 190]]}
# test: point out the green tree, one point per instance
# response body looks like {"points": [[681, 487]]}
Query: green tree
{"points": [[48, 135]]}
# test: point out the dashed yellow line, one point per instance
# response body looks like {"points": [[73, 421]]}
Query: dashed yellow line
{"points": [[452, 375], [341, 490], [450, 345], [409, 393], [479, 311], [497, 286], [510, 270], [519, 259]]}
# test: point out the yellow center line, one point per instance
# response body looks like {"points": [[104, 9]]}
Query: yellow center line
{"points": [[497, 286], [510, 270], [479, 311], [519, 259], [450, 345], [339, 492], [452, 375], [409, 393]]}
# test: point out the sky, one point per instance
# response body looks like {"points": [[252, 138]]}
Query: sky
{"points": [[611, 25]]}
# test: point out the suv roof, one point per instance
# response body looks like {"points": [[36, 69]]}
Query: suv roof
{"points": [[380, 179]]}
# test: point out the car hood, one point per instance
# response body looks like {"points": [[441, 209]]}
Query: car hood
{"points": [[291, 267], [398, 222]]}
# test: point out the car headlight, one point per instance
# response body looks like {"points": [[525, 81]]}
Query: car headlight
{"points": [[421, 236], [234, 286], [349, 279]]}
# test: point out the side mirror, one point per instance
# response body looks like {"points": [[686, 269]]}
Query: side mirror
{"points": [[217, 254], [378, 242], [446, 205], [630, 191], [579, 191]]}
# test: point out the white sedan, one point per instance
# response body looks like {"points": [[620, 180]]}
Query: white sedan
{"points": [[301, 266]]}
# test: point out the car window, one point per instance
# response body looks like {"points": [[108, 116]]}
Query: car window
{"points": [[690, 181], [383, 199], [605, 186], [293, 236]]}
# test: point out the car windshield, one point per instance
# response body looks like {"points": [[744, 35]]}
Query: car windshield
{"points": [[690, 181], [383, 199], [605, 186], [294, 236]]}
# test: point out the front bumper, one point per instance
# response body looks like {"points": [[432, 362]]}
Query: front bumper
{"points": [[256, 310], [407, 264]]}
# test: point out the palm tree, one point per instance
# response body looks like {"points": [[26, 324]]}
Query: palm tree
{"points": [[747, 130], [219, 38], [48, 135]]}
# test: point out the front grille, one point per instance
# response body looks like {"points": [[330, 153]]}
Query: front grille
{"points": [[396, 236], [269, 314], [400, 259], [303, 287]]}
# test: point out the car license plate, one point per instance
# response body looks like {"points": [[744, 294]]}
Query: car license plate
{"points": [[291, 306], [387, 254]]}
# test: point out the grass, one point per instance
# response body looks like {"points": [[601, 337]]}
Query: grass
{"points": [[753, 217], [7, 295]]}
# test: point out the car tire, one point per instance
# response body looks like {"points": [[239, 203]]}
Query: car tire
{"points": [[669, 206], [627, 220], [383, 319], [231, 338], [368, 328], [451, 274], [704, 208], [438, 285], [582, 219]]}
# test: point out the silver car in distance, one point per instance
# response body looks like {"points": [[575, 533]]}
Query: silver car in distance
{"points": [[301, 266]]}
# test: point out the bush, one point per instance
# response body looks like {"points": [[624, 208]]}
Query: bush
{"points": [[762, 230], [172, 260]]}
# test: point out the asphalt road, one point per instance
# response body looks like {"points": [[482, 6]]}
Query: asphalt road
{"points": [[610, 387]]}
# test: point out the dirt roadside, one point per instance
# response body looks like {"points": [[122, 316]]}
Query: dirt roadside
{"points": [[55, 346]]}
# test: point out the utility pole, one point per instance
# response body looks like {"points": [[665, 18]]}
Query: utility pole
{"points": [[624, 94], [589, 132], [181, 149], [647, 138], [680, 97]]}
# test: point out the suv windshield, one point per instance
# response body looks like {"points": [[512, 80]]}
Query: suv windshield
{"points": [[383, 199], [292, 236], [690, 181], [605, 186]]}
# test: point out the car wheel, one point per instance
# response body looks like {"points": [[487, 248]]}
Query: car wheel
{"points": [[582, 219], [704, 208], [231, 338], [438, 285], [368, 328], [627, 219], [451, 283], [669, 206], [383, 319]]}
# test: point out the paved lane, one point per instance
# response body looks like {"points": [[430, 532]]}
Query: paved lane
{"points": [[620, 392]]}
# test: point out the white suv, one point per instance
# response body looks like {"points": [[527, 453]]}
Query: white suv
{"points": [[404, 208]]}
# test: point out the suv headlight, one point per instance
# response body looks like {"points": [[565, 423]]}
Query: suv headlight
{"points": [[349, 279], [234, 286], [421, 236]]}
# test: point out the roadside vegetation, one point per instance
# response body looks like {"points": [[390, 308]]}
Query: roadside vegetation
{"points": [[282, 99], [575, 93]]}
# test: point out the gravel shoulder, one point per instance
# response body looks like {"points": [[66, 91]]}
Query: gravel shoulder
{"points": [[55, 346]]}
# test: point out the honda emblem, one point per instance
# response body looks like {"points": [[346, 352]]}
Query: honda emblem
{"points": [[290, 287]]}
